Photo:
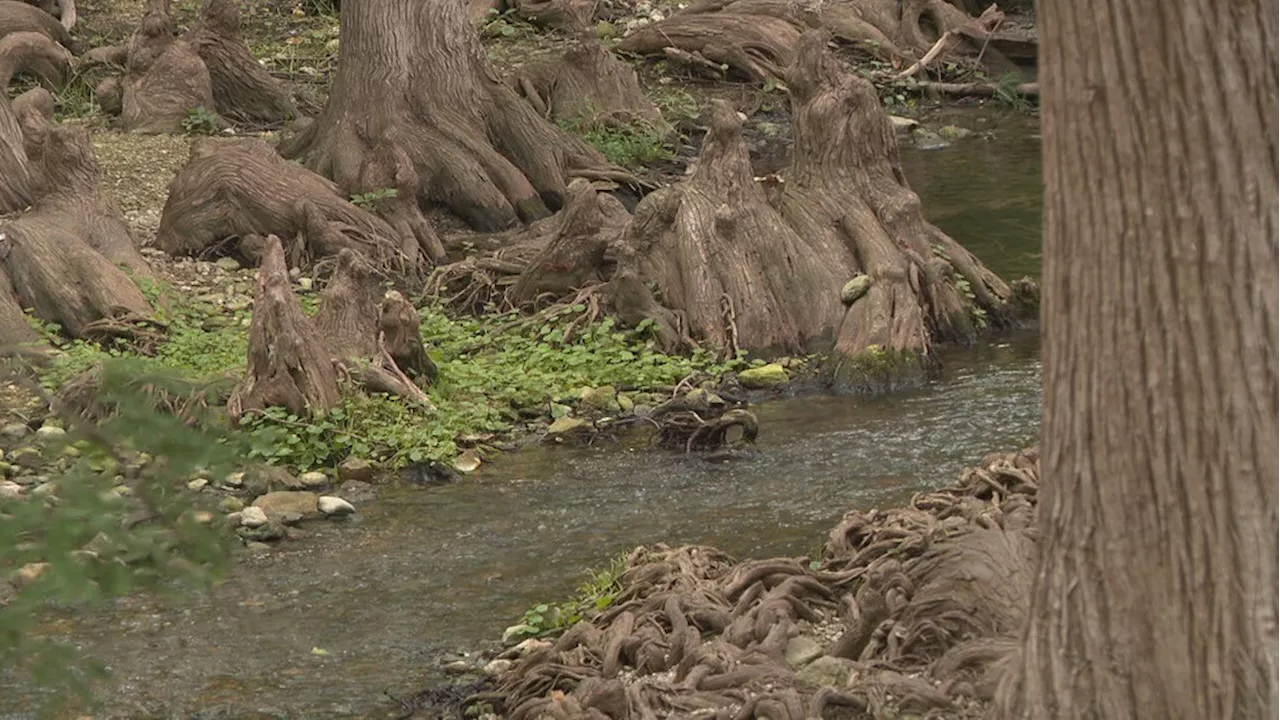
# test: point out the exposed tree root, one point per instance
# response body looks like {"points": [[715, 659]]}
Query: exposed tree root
{"points": [[63, 10], [700, 420], [350, 325], [932, 592], [19, 50], [288, 364], [759, 38], [210, 67], [836, 256], [589, 86], [60, 257], [242, 190], [434, 116]]}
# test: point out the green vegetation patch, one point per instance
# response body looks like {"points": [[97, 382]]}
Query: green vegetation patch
{"points": [[593, 597], [493, 378]]}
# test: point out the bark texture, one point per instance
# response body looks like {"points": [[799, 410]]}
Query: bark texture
{"points": [[166, 77], [288, 364], [63, 243], [840, 253], [416, 106], [759, 38], [1156, 594], [241, 190], [588, 86]]}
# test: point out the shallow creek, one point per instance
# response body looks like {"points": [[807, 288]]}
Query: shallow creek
{"points": [[424, 573]]}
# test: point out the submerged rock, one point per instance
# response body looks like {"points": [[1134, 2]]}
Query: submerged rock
{"points": [[565, 426], [766, 376], [926, 139], [954, 132], [284, 503], [356, 491]]}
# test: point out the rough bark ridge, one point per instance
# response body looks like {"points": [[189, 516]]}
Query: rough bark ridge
{"points": [[758, 38], [1156, 594], [211, 67], [241, 190], [588, 85], [921, 599], [60, 257], [289, 366], [842, 253], [17, 17], [351, 324], [63, 10], [415, 99]]}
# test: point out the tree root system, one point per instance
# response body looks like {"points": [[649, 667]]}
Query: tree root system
{"points": [[166, 77], [233, 193], [759, 39], [834, 255], [904, 614]]}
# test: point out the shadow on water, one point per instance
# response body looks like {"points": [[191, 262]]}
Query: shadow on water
{"points": [[423, 573]]}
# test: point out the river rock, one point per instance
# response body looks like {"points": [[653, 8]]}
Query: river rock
{"points": [[468, 461], [625, 403], [855, 288], [263, 533], [257, 547], [14, 431], [29, 573], [252, 517], [10, 490], [280, 479], [766, 376], [954, 132], [497, 667], [926, 139], [604, 397], [314, 480], [357, 491], [355, 469], [524, 647], [227, 264], [197, 484], [286, 503], [566, 426], [826, 671], [26, 457], [50, 432], [334, 506], [234, 480], [230, 504], [802, 650], [902, 123]]}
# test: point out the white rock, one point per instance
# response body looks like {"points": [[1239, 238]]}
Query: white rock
{"points": [[497, 667], [527, 646], [197, 484], [335, 506], [235, 479], [252, 517], [10, 489], [314, 480], [50, 431]]}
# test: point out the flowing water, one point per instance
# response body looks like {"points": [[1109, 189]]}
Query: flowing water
{"points": [[427, 572]]}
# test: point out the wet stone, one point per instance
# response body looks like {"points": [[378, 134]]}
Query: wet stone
{"points": [[355, 469]]}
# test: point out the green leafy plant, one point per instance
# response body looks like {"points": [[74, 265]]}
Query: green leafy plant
{"points": [[630, 145], [593, 597], [1006, 92], [116, 519], [373, 199], [503, 24], [200, 121]]}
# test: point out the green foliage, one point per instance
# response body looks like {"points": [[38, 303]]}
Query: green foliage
{"points": [[629, 145], [678, 107], [504, 24], [78, 534], [373, 199], [486, 379], [200, 121], [593, 597], [1006, 92]]}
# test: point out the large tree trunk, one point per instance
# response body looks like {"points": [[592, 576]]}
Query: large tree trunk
{"points": [[1156, 595], [416, 106]]}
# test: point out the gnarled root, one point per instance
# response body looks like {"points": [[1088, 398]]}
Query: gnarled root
{"points": [[691, 632], [288, 364], [760, 38], [350, 325], [210, 67], [243, 189]]}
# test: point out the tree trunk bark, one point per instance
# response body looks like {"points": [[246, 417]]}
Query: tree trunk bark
{"points": [[1156, 594], [415, 91]]}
